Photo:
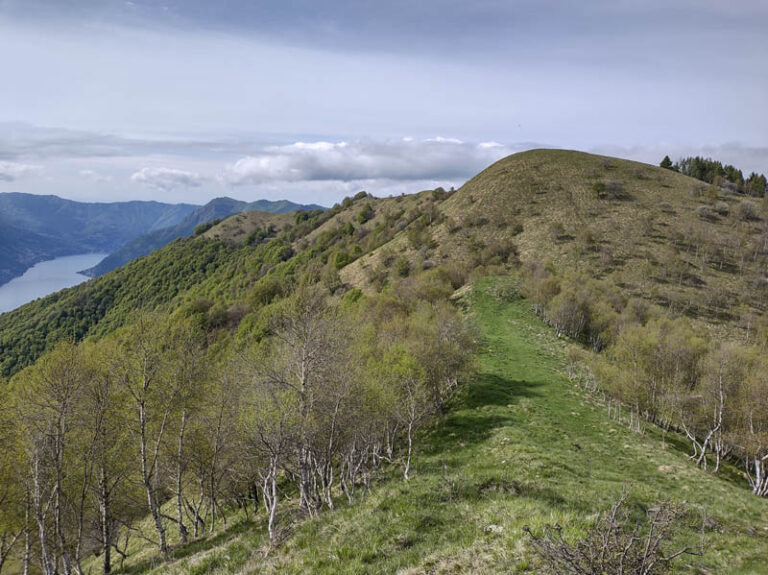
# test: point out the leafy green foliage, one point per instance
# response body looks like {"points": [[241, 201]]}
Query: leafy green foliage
{"points": [[714, 172]]}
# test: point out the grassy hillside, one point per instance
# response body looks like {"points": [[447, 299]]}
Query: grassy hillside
{"points": [[228, 265], [216, 209], [521, 445], [672, 240]]}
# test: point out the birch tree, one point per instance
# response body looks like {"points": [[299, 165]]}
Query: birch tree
{"points": [[49, 396], [141, 368], [12, 492]]}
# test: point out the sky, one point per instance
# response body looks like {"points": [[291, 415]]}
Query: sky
{"points": [[187, 100]]}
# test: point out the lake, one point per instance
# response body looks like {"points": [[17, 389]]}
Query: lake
{"points": [[46, 278]]}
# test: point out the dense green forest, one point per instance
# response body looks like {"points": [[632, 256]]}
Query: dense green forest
{"points": [[274, 377]]}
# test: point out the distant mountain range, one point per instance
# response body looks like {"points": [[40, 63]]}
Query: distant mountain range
{"points": [[36, 228], [219, 208]]}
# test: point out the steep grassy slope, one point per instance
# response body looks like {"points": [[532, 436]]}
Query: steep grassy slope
{"points": [[520, 445], [656, 234]]}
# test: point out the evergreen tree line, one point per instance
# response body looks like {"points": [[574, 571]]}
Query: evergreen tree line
{"points": [[665, 371], [164, 421], [715, 172]]}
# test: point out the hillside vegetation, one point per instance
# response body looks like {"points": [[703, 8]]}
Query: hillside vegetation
{"points": [[669, 239], [215, 210], [521, 445], [394, 455]]}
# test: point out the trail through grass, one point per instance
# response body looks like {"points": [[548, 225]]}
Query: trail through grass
{"points": [[521, 445]]}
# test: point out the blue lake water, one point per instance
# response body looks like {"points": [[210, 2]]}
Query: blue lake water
{"points": [[46, 278]]}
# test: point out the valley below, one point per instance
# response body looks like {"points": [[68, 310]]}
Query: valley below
{"points": [[46, 278]]}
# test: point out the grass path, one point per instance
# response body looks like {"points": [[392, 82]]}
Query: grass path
{"points": [[520, 446]]}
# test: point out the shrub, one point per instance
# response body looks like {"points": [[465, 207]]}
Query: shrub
{"points": [[452, 226], [747, 211], [615, 190], [499, 251], [402, 266], [365, 214], [616, 544], [611, 190], [599, 189], [202, 228], [722, 208], [706, 213], [586, 239], [557, 230], [439, 194], [259, 234], [666, 207], [341, 260]]}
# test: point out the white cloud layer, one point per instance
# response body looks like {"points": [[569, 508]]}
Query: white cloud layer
{"points": [[95, 176], [11, 171], [401, 159], [167, 179]]}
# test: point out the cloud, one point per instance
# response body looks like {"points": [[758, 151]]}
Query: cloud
{"points": [[402, 159], [21, 141], [95, 176], [746, 158], [11, 171], [167, 179]]}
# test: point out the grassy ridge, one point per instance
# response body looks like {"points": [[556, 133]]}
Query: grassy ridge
{"points": [[656, 234], [521, 445]]}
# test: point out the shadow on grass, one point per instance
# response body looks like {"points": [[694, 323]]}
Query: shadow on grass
{"points": [[181, 551], [471, 418]]}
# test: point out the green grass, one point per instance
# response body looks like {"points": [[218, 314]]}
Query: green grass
{"points": [[521, 445]]}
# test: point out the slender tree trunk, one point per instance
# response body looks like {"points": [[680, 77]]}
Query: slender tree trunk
{"points": [[7, 542], [40, 510], [759, 477], [57, 505], [270, 494], [407, 470], [106, 530], [147, 479], [180, 479], [197, 518], [305, 488], [27, 532]]}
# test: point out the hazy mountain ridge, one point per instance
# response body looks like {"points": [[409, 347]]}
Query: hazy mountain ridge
{"points": [[35, 228], [218, 208]]}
